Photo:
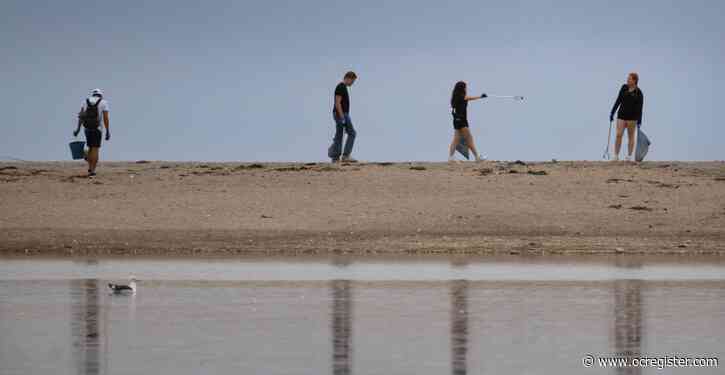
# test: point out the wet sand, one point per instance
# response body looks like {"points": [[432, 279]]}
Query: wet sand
{"points": [[174, 208]]}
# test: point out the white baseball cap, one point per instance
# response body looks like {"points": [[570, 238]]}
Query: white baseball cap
{"points": [[97, 92]]}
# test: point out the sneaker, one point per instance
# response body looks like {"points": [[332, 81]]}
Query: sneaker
{"points": [[628, 158], [451, 159], [334, 160], [615, 158], [348, 159], [481, 158], [91, 174]]}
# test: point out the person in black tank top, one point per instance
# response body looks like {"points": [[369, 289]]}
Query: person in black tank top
{"points": [[630, 102], [459, 105]]}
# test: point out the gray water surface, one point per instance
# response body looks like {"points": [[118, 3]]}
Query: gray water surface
{"points": [[357, 316]]}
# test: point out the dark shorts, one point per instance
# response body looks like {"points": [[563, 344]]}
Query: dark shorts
{"points": [[93, 137], [459, 124]]}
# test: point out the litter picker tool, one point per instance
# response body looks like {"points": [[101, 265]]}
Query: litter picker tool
{"points": [[606, 155], [514, 97]]}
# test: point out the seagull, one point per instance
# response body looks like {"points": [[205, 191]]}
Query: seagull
{"points": [[122, 289]]}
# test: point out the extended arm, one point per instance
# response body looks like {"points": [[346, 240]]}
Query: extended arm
{"points": [[80, 122], [470, 98], [107, 123]]}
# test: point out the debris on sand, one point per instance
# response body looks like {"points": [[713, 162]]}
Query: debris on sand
{"points": [[615, 206], [722, 178], [266, 217], [143, 162], [485, 171], [618, 180], [310, 164], [250, 166], [385, 164], [291, 169], [519, 162], [513, 171], [418, 168], [15, 172], [537, 173], [663, 185], [640, 208]]}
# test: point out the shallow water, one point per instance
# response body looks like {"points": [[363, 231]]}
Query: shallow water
{"points": [[357, 316]]}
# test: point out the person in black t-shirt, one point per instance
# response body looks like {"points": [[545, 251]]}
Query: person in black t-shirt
{"points": [[343, 122], [630, 102], [459, 103]]}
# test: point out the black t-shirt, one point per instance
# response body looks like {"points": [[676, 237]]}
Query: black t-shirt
{"points": [[341, 90], [629, 103], [460, 108]]}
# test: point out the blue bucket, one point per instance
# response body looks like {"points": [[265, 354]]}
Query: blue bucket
{"points": [[76, 149]]}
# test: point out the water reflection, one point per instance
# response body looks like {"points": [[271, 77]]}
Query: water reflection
{"points": [[443, 325], [341, 327], [628, 321], [85, 332], [459, 327], [628, 316]]}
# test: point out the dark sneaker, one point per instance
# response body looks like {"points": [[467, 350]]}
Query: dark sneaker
{"points": [[348, 159], [334, 160]]}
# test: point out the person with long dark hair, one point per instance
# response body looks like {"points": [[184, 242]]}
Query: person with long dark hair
{"points": [[459, 105], [630, 102]]}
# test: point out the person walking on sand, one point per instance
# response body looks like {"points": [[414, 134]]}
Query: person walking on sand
{"points": [[630, 102], [94, 110], [343, 122], [459, 104]]}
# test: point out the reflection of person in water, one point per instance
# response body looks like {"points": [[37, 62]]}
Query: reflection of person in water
{"points": [[459, 327], [85, 331], [341, 327], [628, 321]]}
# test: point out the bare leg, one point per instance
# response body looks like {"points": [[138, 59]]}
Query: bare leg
{"points": [[469, 141], [454, 143], [92, 159], [618, 139], [631, 127]]}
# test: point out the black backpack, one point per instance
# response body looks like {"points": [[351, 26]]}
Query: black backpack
{"points": [[90, 115]]}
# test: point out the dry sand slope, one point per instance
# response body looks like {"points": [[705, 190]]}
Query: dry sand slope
{"points": [[219, 208]]}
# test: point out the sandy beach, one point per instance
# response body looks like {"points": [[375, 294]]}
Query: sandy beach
{"points": [[527, 208]]}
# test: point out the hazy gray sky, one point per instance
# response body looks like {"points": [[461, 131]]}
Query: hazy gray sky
{"points": [[253, 80]]}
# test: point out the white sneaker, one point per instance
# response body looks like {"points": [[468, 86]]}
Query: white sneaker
{"points": [[628, 158], [615, 158], [481, 158]]}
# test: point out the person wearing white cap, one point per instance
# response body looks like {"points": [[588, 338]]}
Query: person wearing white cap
{"points": [[94, 110]]}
